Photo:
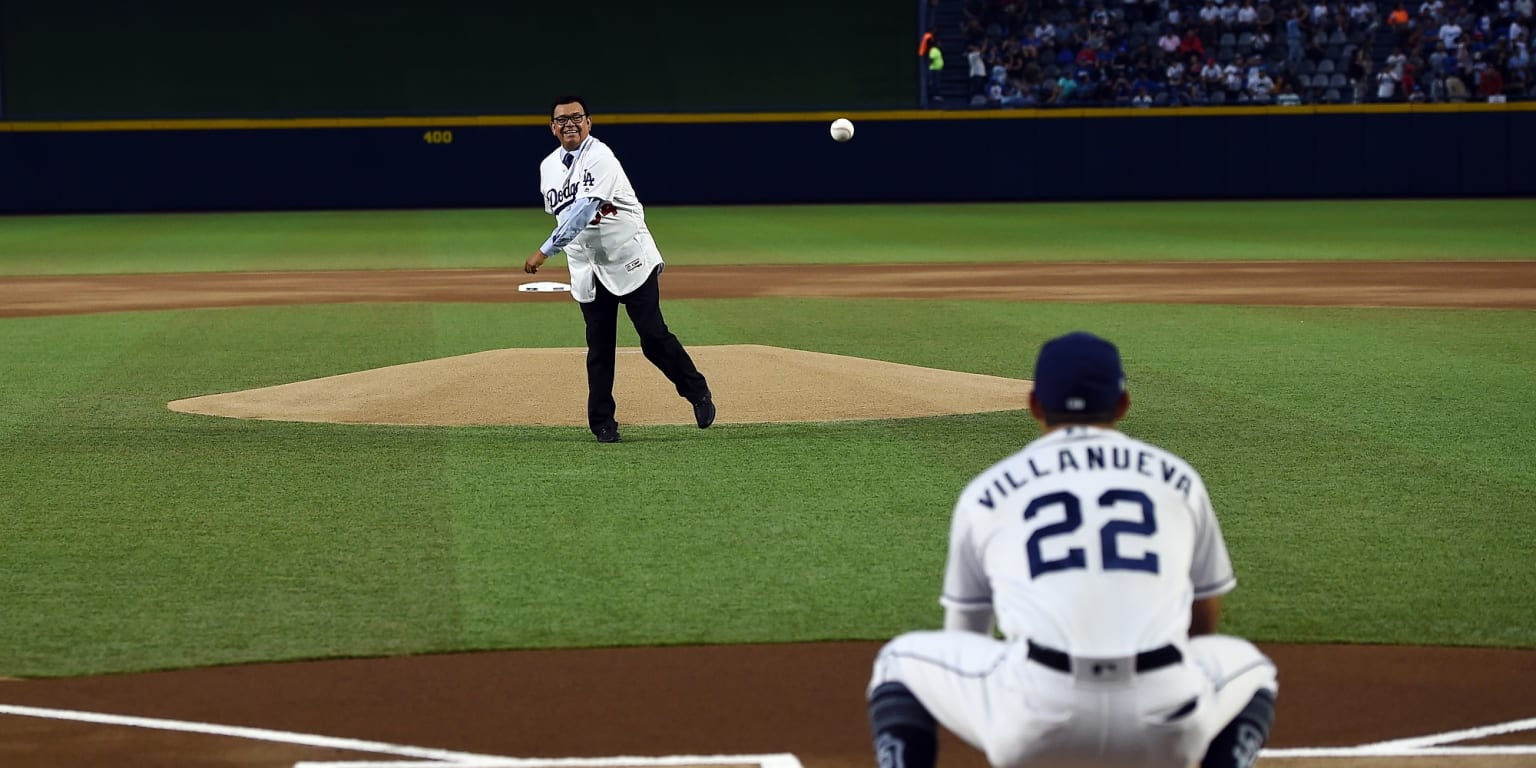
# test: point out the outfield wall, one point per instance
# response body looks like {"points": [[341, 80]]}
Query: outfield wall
{"points": [[1467, 150]]}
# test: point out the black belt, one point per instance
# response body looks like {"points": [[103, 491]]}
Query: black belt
{"points": [[1146, 661]]}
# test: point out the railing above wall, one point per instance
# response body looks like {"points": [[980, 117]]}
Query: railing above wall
{"points": [[215, 124]]}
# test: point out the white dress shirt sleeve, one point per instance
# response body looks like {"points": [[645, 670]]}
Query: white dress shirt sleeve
{"points": [[571, 222]]}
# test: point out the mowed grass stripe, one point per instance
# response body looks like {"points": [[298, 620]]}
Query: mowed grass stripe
{"points": [[849, 234], [1371, 468], [149, 539]]}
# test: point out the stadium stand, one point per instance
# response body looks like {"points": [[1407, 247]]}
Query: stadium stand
{"points": [[1091, 53]]}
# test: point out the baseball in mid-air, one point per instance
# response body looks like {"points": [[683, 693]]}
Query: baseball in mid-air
{"points": [[842, 129]]}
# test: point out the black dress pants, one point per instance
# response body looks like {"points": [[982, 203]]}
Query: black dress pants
{"points": [[659, 345]]}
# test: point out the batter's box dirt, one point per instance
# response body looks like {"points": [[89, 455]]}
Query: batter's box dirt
{"points": [[1424, 760], [802, 699]]}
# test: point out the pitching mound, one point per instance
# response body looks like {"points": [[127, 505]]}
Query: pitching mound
{"points": [[751, 384]]}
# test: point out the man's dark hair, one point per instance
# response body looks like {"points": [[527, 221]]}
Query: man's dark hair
{"points": [[1057, 419], [569, 100]]}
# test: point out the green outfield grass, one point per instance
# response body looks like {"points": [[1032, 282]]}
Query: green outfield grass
{"points": [[1349, 229], [1373, 469]]}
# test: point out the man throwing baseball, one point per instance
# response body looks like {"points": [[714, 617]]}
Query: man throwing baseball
{"points": [[1102, 562], [600, 225]]}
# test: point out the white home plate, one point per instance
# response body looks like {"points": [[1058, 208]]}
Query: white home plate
{"points": [[544, 286]]}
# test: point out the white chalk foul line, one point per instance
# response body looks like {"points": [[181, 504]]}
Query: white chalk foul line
{"points": [[1492, 751], [435, 757], [240, 732], [1424, 746], [784, 760], [1451, 737], [1420, 746]]}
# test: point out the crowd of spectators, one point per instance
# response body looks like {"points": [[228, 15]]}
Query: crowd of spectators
{"points": [[1040, 53]]}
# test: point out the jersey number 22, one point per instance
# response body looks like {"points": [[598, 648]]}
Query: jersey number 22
{"points": [[1108, 535]]}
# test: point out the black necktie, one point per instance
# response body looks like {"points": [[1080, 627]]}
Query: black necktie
{"points": [[569, 157]]}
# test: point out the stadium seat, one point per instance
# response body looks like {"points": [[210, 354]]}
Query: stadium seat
{"points": [[1228, 40], [1337, 38], [1331, 96], [1338, 81], [1225, 53], [1325, 67], [1245, 41], [1218, 97], [1304, 81], [1307, 67]]}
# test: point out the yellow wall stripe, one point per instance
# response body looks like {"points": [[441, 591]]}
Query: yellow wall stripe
{"points": [[222, 124]]}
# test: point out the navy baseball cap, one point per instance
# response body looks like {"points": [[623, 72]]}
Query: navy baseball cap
{"points": [[1078, 373]]}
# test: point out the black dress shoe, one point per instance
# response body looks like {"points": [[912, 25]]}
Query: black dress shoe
{"points": [[608, 434], [704, 411]]}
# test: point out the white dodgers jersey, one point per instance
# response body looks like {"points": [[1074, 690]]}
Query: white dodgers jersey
{"points": [[616, 246], [1089, 542]]}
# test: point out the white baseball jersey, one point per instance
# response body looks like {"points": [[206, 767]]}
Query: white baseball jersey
{"points": [[614, 246], [1089, 542], [1092, 545]]}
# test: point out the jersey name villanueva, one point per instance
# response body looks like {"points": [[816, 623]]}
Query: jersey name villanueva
{"points": [[1088, 458]]}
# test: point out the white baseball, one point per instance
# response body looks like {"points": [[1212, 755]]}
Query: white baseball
{"points": [[842, 129]]}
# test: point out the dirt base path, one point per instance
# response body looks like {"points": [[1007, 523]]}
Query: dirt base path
{"points": [[804, 699], [1485, 284]]}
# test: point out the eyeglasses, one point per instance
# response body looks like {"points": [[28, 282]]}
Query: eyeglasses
{"points": [[565, 119]]}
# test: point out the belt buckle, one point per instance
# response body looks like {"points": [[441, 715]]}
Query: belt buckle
{"points": [[1111, 669]]}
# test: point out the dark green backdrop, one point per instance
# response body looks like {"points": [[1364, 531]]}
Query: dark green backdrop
{"points": [[99, 59]]}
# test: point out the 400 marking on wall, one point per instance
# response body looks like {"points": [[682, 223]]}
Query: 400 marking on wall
{"points": [[438, 137]]}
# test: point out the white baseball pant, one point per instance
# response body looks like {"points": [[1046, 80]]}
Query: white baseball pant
{"points": [[1023, 713]]}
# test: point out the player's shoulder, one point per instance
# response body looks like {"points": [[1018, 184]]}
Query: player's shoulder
{"points": [[988, 487], [551, 160], [984, 477], [1164, 454], [599, 150]]}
